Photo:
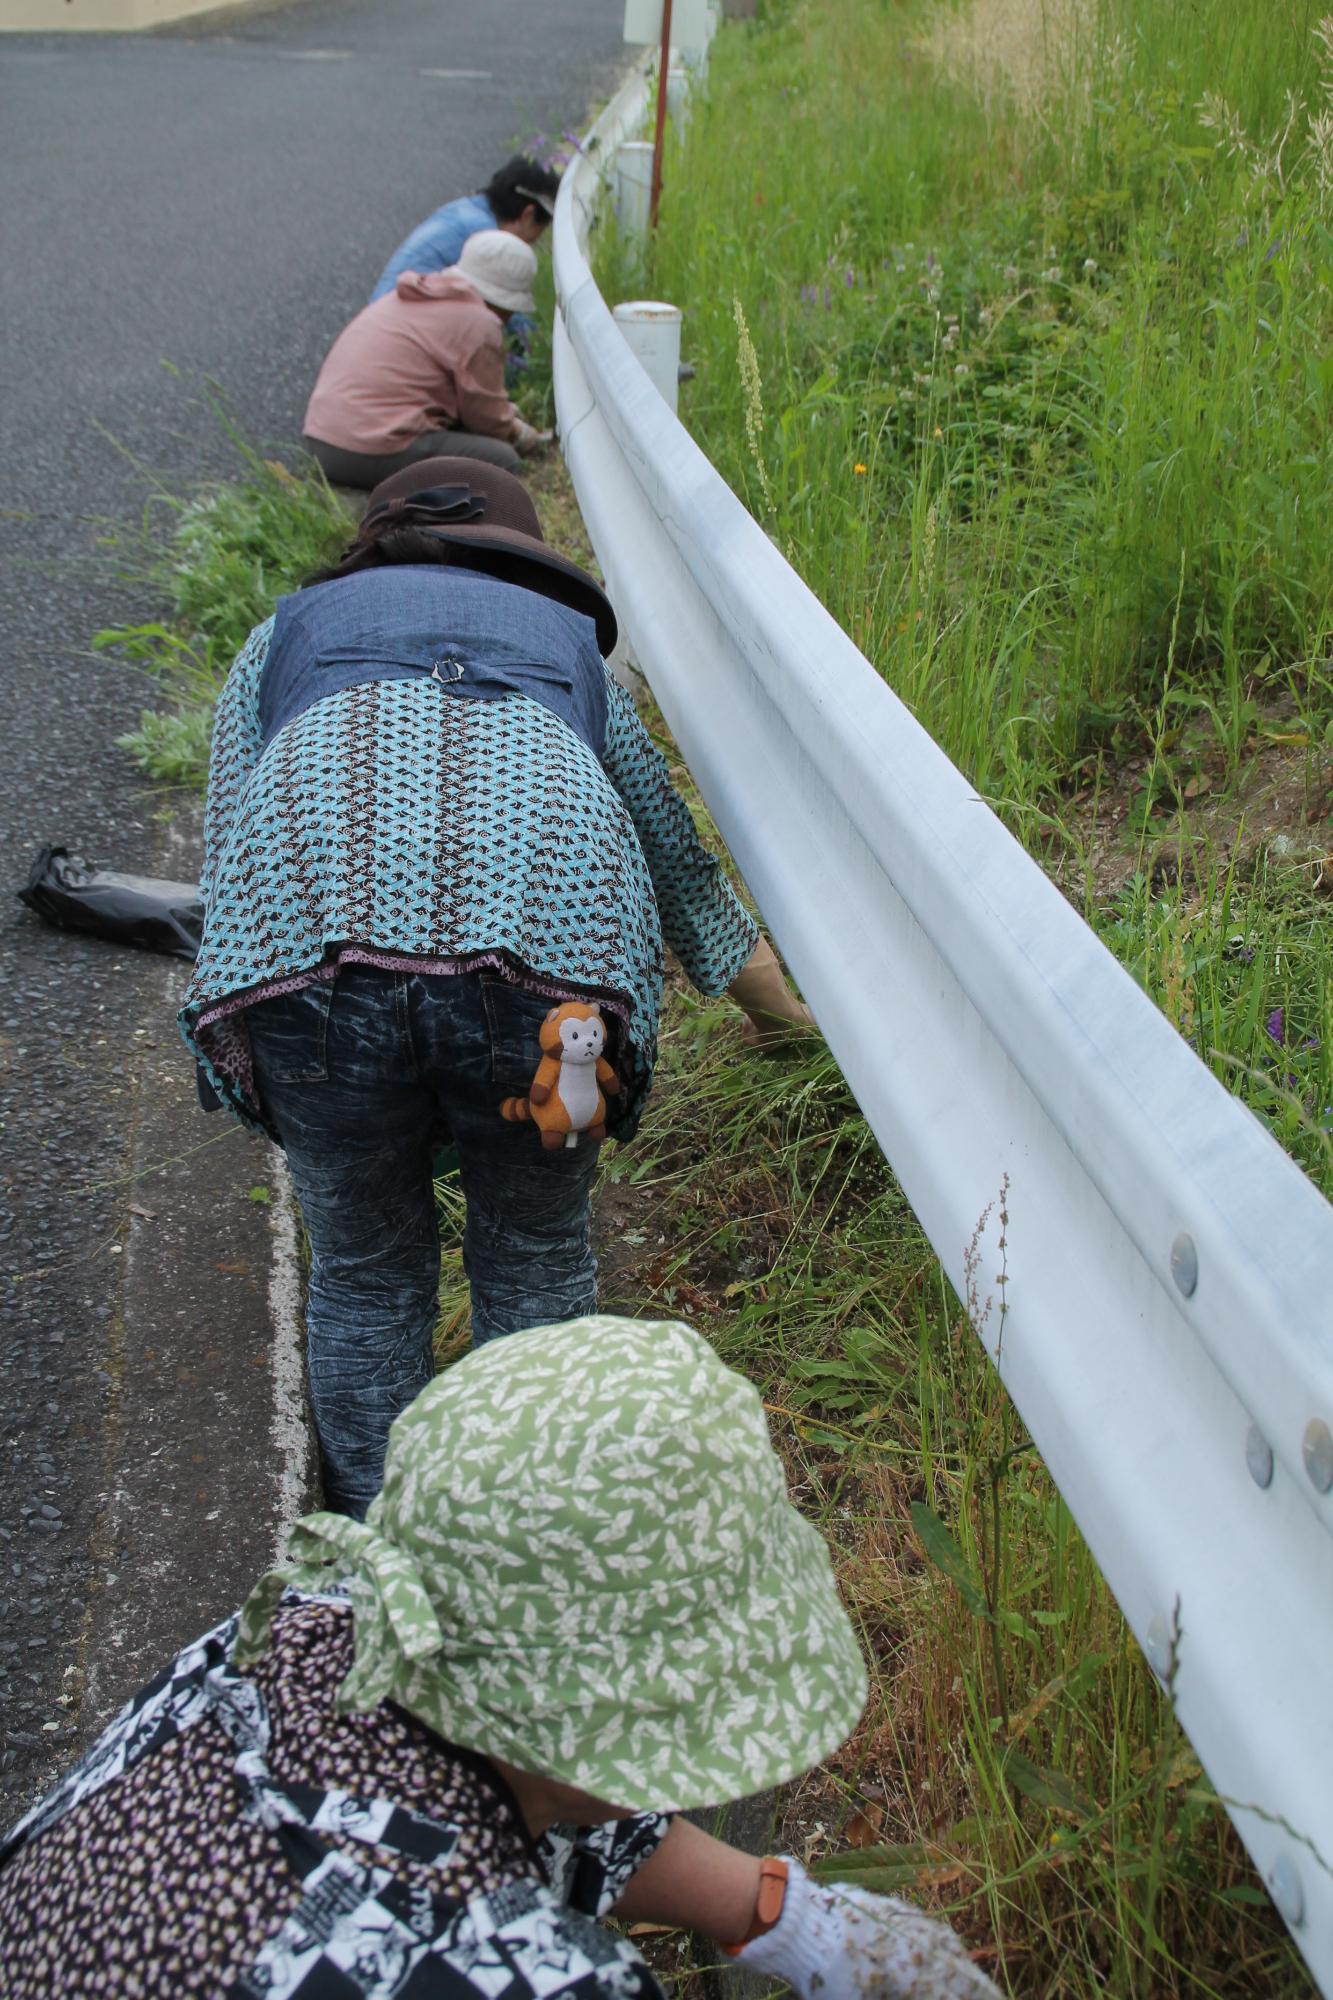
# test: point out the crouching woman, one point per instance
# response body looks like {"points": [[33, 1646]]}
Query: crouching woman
{"points": [[439, 1745]]}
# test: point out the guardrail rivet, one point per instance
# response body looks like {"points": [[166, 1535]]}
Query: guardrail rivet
{"points": [[1284, 1886], [1317, 1451], [1259, 1456], [1185, 1264]]}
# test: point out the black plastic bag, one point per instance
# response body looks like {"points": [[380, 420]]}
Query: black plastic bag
{"points": [[129, 909]]}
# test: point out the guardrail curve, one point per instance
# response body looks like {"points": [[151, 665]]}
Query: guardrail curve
{"points": [[1168, 1331]]}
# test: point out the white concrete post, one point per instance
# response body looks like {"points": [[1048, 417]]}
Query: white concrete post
{"points": [[652, 333], [633, 187], [678, 95]]}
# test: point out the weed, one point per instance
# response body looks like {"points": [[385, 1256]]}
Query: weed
{"points": [[1040, 295], [220, 558], [1018, 1765]]}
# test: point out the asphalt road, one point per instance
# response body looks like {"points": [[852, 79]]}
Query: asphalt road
{"points": [[210, 202]]}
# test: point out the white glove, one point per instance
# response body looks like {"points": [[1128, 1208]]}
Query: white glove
{"points": [[838, 1942], [529, 440]]}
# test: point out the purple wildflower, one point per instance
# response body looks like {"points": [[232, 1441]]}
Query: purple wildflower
{"points": [[930, 260], [849, 278], [1274, 1027], [809, 294], [826, 298]]}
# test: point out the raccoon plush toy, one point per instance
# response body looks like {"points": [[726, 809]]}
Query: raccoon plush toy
{"points": [[566, 1094]]}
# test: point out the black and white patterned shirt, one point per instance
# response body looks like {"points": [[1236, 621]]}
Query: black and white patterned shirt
{"points": [[231, 1834]]}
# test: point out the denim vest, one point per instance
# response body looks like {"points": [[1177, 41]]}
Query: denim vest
{"points": [[474, 635]]}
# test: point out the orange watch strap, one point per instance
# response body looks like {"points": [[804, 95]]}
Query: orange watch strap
{"points": [[767, 1904]]}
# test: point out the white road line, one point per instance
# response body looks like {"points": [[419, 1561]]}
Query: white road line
{"points": [[289, 1425], [468, 75]]}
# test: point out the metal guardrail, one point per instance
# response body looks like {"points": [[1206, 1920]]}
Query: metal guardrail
{"points": [[1168, 1324]]}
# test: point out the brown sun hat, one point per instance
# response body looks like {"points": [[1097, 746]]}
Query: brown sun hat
{"points": [[487, 516]]}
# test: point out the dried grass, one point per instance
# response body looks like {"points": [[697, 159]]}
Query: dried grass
{"points": [[1032, 55]]}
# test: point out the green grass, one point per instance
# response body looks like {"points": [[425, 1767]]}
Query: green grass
{"points": [[1012, 321], [218, 560], [1045, 398], [1025, 368]]}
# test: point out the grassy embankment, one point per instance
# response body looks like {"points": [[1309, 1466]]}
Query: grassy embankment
{"points": [[1040, 302], [1093, 564]]}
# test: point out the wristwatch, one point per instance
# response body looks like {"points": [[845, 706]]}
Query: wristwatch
{"points": [[767, 1904]]}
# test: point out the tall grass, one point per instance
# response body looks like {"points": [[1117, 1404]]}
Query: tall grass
{"points": [[1018, 1766], [1011, 323], [1043, 351]]}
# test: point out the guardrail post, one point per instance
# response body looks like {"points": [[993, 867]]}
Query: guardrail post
{"points": [[652, 333], [633, 187], [678, 95]]}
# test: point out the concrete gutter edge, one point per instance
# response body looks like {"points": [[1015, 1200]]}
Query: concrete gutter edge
{"points": [[209, 1453]]}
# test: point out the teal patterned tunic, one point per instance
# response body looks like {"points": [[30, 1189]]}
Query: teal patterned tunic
{"points": [[396, 824]]}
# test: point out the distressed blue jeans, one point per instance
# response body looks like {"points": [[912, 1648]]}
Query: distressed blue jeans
{"points": [[362, 1076]]}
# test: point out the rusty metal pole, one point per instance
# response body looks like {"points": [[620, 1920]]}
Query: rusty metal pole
{"points": [[663, 65]]}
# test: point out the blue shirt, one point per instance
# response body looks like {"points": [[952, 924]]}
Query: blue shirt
{"points": [[437, 242]]}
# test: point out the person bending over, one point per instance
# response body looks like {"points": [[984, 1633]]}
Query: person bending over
{"points": [[421, 371], [437, 1748], [441, 856], [519, 197]]}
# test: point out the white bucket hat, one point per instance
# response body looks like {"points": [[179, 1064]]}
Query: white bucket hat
{"points": [[501, 266]]}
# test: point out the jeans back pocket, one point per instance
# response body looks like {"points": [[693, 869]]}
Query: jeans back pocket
{"points": [[289, 1034], [514, 1019]]}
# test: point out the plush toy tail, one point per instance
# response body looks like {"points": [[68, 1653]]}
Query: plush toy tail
{"points": [[517, 1110]]}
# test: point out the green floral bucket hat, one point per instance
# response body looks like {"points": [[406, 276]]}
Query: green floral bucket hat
{"points": [[584, 1562]]}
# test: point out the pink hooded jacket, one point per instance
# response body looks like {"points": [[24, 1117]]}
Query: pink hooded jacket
{"points": [[428, 356]]}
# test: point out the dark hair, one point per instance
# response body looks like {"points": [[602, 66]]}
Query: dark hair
{"points": [[512, 188], [399, 531]]}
